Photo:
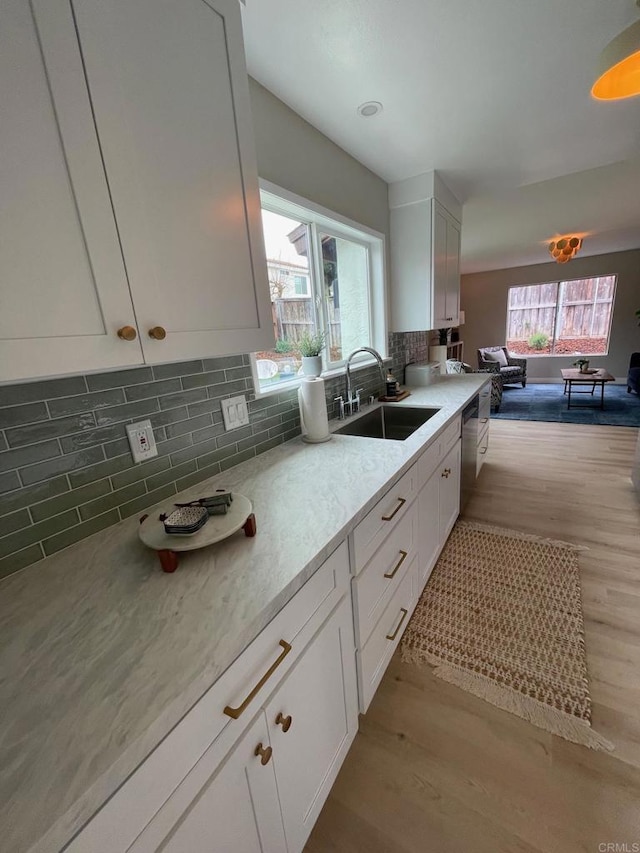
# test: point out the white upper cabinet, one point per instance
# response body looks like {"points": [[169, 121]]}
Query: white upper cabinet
{"points": [[128, 186], [425, 254], [63, 286], [446, 268], [169, 90]]}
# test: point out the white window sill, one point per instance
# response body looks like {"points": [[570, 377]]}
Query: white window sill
{"points": [[281, 387]]}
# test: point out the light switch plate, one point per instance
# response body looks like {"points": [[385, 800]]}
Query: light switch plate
{"points": [[142, 441], [235, 412]]}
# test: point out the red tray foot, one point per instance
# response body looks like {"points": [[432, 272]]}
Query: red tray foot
{"points": [[250, 528], [168, 560]]}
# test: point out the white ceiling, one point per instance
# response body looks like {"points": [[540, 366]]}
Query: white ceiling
{"points": [[494, 94]]}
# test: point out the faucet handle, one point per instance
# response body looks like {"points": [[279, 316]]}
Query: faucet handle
{"points": [[340, 401], [355, 400]]}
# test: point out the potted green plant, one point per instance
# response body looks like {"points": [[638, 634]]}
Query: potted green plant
{"points": [[310, 347], [582, 364]]}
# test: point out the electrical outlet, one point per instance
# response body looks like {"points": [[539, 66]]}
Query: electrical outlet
{"points": [[235, 412], [141, 441]]}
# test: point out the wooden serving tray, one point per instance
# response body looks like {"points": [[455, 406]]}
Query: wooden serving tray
{"points": [[401, 396]]}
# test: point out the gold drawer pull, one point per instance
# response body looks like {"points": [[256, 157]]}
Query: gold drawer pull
{"points": [[234, 713], [157, 333], [446, 473], [484, 420], [265, 753], [283, 721], [401, 503], [395, 633], [403, 557], [127, 333], [483, 450]]}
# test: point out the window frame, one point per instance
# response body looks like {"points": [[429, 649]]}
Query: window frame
{"points": [[554, 338], [320, 219]]}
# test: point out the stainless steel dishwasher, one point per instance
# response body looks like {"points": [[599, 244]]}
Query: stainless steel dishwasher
{"points": [[469, 450]]}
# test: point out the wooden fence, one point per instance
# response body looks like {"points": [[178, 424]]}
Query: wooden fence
{"points": [[293, 317], [584, 309]]}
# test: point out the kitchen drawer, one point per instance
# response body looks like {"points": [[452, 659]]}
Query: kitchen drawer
{"points": [[261, 665], [376, 654], [375, 585], [376, 526], [484, 411], [483, 446], [449, 436]]}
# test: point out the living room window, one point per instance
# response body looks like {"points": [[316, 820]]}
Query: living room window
{"points": [[326, 275], [561, 317]]}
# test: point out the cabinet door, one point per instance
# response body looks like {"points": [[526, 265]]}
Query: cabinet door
{"points": [[449, 491], [452, 299], [64, 288], [320, 697], [439, 260], [237, 809], [429, 542], [169, 89]]}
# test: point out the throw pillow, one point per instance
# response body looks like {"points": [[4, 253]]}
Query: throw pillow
{"points": [[496, 355]]}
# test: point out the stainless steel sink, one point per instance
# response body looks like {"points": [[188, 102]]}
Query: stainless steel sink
{"points": [[395, 422]]}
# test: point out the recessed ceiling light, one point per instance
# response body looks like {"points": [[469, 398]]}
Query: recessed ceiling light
{"points": [[370, 108]]}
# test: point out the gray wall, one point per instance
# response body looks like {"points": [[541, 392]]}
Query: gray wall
{"points": [[296, 156], [484, 301]]}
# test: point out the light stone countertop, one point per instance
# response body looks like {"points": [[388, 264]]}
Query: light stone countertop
{"points": [[101, 653]]}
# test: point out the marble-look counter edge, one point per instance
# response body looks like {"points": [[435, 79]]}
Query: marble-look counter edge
{"points": [[451, 394]]}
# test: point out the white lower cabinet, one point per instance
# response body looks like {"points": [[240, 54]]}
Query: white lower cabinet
{"points": [[237, 809], [273, 783], [449, 493], [250, 766], [313, 719]]}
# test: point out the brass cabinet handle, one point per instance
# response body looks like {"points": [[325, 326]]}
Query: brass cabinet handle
{"points": [[403, 557], [158, 333], [234, 713], [283, 721], [483, 450], [265, 753], [401, 503], [446, 472], [395, 633], [484, 420], [127, 333]]}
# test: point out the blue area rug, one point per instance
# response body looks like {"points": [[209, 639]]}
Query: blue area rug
{"points": [[547, 403]]}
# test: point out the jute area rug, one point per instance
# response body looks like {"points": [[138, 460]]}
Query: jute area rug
{"points": [[501, 617]]}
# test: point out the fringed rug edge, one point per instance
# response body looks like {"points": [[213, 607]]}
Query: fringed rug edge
{"points": [[535, 712]]}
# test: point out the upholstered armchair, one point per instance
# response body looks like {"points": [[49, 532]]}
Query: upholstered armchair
{"points": [[498, 360], [633, 377], [453, 366]]}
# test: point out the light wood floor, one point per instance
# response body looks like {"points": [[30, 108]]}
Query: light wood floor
{"points": [[436, 770]]}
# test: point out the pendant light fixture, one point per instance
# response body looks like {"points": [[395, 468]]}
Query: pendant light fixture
{"points": [[619, 66], [565, 248]]}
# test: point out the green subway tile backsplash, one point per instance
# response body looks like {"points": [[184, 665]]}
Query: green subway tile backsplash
{"points": [[65, 467]]}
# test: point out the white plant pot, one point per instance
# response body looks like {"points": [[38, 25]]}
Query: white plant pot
{"points": [[312, 365]]}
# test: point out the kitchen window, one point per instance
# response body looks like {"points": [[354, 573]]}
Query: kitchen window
{"points": [[568, 318], [326, 275]]}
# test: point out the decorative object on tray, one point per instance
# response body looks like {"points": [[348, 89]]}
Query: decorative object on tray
{"points": [[224, 514], [502, 618], [400, 395]]}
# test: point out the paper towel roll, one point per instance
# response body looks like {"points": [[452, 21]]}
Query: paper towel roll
{"points": [[313, 410]]}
